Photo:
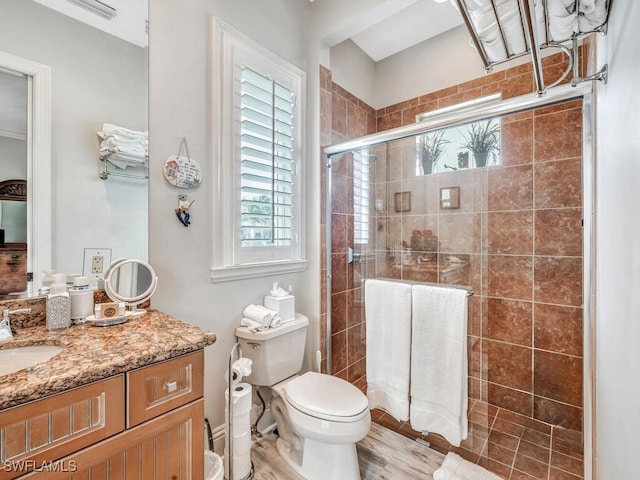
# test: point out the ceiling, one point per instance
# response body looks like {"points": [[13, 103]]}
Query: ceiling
{"points": [[414, 21]]}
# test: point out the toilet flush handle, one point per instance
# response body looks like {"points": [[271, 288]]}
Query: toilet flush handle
{"points": [[253, 345]]}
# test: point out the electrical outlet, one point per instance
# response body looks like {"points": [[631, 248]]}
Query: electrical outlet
{"points": [[97, 264]]}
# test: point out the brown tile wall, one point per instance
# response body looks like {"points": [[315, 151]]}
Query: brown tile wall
{"points": [[518, 231]]}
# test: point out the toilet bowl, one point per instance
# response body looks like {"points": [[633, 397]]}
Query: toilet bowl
{"points": [[320, 418]]}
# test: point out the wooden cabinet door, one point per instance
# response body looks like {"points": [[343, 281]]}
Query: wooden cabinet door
{"points": [[33, 434], [168, 447]]}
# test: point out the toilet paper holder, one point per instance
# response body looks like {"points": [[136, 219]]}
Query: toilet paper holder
{"points": [[236, 354]]}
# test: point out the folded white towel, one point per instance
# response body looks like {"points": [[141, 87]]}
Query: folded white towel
{"points": [[563, 20], [439, 356], [594, 14], [388, 325], [247, 322], [484, 19], [122, 160], [262, 315], [455, 467], [109, 129], [134, 152]]}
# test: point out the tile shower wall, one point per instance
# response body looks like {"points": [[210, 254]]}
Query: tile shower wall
{"points": [[517, 234]]}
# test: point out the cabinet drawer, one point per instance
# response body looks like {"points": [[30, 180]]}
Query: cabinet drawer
{"points": [[47, 429], [158, 388], [171, 446]]}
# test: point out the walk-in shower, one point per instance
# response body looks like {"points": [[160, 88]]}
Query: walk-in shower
{"points": [[513, 225]]}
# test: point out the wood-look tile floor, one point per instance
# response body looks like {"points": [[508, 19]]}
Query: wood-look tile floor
{"points": [[383, 455]]}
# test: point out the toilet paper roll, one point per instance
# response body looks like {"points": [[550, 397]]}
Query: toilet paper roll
{"points": [[241, 397], [241, 443], [240, 429], [241, 466], [239, 369], [239, 419]]}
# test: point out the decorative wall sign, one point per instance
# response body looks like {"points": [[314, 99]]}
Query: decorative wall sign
{"points": [[449, 198], [181, 170], [402, 201]]}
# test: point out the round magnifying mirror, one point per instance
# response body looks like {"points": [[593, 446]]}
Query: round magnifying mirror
{"points": [[130, 281]]}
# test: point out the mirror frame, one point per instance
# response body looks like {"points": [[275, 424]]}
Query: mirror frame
{"points": [[38, 163]]}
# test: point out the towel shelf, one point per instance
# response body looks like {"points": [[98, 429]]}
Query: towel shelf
{"points": [[508, 29], [135, 171]]}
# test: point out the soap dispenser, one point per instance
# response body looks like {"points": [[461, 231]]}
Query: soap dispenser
{"points": [[46, 282], [58, 304]]}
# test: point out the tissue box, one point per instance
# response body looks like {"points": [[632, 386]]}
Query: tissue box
{"points": [[285, 306]]}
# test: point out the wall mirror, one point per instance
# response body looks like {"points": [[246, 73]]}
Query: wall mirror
{"points": [[62, 79]]}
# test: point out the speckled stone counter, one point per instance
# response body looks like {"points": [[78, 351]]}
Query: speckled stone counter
{"points": [[94, 353]]}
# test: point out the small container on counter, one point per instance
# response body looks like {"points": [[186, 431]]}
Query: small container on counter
{"points": [[81, 296]]}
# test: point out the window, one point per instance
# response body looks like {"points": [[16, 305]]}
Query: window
{"points": [[258, 98]]}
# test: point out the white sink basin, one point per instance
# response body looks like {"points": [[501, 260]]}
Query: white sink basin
{"points": [[14, 359]]}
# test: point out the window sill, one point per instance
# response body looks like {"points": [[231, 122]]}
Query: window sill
{"points": [[241, 272]]}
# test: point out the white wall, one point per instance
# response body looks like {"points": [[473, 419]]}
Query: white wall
{"points": [[354, 71], [437, 63], [618, 264], [440, 62], [180, 106], [95, 78], [13, 158]]}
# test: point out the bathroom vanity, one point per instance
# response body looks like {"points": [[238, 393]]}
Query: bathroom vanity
{"points": [[116, 402]]}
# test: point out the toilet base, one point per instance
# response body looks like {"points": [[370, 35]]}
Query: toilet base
{"points": [[321, 461]]}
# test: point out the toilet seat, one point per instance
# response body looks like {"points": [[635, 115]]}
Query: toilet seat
{"points": [[326, 397]]}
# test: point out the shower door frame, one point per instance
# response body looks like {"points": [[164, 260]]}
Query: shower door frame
{"points": [[522, 103]]}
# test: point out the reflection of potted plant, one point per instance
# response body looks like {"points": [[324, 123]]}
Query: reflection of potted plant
{"points": [[482, 139], [430, 150]]}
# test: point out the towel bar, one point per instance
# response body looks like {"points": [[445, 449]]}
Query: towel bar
{"points": [[469, 290]]}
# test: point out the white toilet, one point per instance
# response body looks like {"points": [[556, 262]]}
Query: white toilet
{"points": [[319, 417]]}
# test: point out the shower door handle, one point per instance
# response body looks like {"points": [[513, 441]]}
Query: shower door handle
{"points": [[353, 255]]}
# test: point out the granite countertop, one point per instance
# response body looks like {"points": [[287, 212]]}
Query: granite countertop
{"points": [[93, 353]]}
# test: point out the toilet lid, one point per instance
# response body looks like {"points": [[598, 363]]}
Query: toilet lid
{"points": [[324, 396]]}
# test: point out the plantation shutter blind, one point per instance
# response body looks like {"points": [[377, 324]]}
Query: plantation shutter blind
{"points": [[266, 161]]}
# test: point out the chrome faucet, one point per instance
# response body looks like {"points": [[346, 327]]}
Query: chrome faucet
{"points": [[6, 334]]}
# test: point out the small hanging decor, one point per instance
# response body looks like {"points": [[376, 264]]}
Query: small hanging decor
{"points": [[181, 170], [182, 212]]}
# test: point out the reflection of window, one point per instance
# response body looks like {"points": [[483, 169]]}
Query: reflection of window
{"points": [[362, 161], [471, 145], [466, 146]]}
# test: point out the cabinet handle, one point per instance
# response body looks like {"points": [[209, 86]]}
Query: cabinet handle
{"points": [[171, 386], [15, 256]]}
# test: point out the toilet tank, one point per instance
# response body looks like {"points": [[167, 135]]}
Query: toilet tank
{"points": [[276, 353]]}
